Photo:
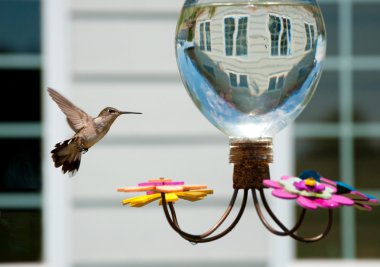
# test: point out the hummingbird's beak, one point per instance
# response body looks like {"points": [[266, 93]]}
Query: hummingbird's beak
{"points": [[129, 112]]}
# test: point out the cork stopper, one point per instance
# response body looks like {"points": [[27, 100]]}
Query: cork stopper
{"points": [[251, 159]]}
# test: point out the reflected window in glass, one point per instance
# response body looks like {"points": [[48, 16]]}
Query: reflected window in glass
{"points": [[308, 38], [201, 36], [233, 80], [243, 81], [208, 35], [241, 39], [229, 29], [275, 29]]}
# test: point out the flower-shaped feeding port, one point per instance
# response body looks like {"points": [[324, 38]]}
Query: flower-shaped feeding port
{"points": [[168, 192], [166, 189], [309, 193], [361, 200]]}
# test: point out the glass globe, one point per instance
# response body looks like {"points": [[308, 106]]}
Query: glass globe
{"points": [[250, 67]]}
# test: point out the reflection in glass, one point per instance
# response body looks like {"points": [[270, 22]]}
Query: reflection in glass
{"points": [[256, 53]]}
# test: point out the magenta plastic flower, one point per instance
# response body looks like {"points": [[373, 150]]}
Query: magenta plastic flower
{"points": [[362, 201], [309, 193]]}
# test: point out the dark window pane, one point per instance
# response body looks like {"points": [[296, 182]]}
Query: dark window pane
{"points": [[19, 26], [368, 234], [314, 224], [367, 159], [22, 102], [366, 29], [321, 155], [324, 105], [366, 96], [229, 29], [330, 15], [233, 80], [20, 167], [20, 236], [272, 84]]}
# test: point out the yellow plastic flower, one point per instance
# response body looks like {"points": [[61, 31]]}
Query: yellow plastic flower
{"points": [[172, 190]]}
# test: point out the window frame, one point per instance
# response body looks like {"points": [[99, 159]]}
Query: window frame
{"points": [[238, 80], [279, 42], [234, 36]]}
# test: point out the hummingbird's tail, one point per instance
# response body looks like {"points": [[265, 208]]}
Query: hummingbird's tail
{"points": [[67, 155]]}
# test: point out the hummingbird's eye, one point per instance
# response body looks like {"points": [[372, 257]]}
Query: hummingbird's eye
{"points": [[111, 110]]}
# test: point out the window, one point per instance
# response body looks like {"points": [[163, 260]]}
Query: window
{"points": [[238, 80], [205, 36], [208, 35], [280, 29], [210, 70], [276, 83], [235, 38], [241, 38], [310, 37], [229, 29], [202, 36], [20, 133], [285, 37], [338, 133]]}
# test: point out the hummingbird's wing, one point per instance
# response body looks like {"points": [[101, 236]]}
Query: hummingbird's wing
{"points": [[76, 118]]}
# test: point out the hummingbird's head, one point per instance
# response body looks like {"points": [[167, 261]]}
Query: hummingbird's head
{"points": [[112, 113]]}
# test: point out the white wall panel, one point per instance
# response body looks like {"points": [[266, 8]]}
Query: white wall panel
{"points": [[121, 46], [167, 109], [127, 235], [109, 166], [127, 5]]}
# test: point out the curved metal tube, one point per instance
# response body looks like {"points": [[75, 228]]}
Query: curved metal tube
{"points": [[266, 223], [202, 238], [284, 228]]}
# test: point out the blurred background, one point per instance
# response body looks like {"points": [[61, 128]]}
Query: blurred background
{"points": [[121, 53]]}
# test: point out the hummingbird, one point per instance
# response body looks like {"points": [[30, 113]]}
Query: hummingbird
{"points": [[88, 131]]}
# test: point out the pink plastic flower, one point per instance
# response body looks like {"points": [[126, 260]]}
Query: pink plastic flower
{"points": [[362, 201], [309, 193]]}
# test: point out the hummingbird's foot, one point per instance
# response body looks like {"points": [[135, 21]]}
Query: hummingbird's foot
{"points": [[82, 149]]}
